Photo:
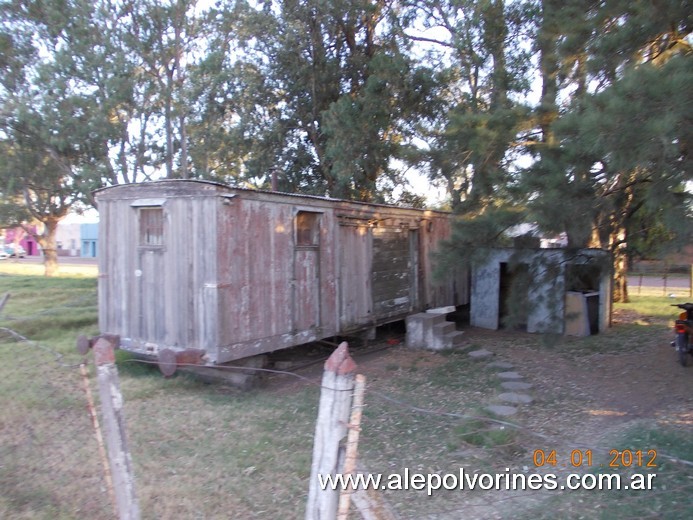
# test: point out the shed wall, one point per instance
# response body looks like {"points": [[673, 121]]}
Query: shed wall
{"points": [[270, 288], [355, 243], [546, 291]]}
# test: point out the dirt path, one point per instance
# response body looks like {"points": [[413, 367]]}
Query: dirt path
{"points": [[581, 402], [608, 389]]}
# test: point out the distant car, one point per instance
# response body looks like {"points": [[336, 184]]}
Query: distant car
{"points": [[4, 255], [11, 250]]}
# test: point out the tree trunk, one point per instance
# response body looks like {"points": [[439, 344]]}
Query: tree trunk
{"points": [[620, 253], [620, 276], [168, 116], [47, 241], [548, 66]]}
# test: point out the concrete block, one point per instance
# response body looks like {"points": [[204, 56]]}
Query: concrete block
{"points": [[516, 385], [431, 331], [420, 329], [500, 364], [415, 324], [454, 339], [480, 354], [442, 310]]}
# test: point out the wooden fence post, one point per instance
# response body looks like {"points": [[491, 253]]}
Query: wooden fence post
{"points": [[371, 503], [114, 422], [352, 445], [331, 427]]}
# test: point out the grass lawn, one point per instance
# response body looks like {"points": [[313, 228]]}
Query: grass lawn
{"points": [[65, 269], [213, 452]]}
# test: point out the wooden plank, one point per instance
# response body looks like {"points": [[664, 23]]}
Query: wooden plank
{"points": [[352, 443], [355, 305], [306, 285], [371, 504]]}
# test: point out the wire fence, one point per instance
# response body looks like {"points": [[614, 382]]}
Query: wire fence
{"points": [[213, 451], [49, 464], [674, 285]]}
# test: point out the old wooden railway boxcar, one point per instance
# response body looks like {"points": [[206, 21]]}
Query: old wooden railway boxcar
{"points": [[237, 272]]}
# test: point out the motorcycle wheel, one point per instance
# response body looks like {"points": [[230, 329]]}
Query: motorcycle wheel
{"points": [[682, 349]]}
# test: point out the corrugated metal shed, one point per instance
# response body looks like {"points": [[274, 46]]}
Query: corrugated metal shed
{"points": [[236, 272]]}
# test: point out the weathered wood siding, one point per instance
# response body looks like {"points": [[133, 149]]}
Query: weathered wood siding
{"points": [[233, 275], [254, 247], [355, 242], [391, 271], [451, 289], [159, 294], [271, 289]]}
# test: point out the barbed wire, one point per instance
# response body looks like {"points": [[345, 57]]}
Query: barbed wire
{"points": [[468, 503], [58, 356], [401, 403]]}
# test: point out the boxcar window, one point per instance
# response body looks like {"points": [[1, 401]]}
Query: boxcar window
{"points": [[151, 226], [307, 228]]}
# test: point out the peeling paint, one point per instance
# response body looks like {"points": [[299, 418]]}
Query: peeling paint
{"points": [[233, 280]]}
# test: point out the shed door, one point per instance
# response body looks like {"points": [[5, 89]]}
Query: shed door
{"points": [[306, 283], [150, 275]]}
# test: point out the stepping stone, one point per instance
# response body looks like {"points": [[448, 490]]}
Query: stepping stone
{"points": [[509, 375], [480, 354], [516, 385], [515, 398], [500, 364], [499, 409]]}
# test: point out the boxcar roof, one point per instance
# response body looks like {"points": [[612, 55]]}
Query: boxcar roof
{"points": [[176, 183]]}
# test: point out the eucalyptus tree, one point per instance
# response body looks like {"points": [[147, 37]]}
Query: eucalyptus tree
{"points": [[166, 40], [320, 93], [56, 121], [479, 55]]}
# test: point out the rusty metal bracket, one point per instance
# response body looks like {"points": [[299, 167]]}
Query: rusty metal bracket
{"points": [[84, 344], [170, 360]]}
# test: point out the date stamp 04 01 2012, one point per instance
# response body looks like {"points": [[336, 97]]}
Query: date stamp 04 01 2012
{"points": [[583, 458]]}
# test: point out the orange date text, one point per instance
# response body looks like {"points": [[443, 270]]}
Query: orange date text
{"points": [[585, 458]]}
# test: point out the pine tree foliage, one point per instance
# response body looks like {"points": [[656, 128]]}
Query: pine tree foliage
{"points": [[621, 146]]}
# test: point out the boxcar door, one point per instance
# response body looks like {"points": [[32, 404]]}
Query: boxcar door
{"points": [[150, 275], [391, 271], [306, 282], [414, 270], [355, 253]]}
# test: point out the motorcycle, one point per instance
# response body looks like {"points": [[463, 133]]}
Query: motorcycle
{"points": [[684, 332]]}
